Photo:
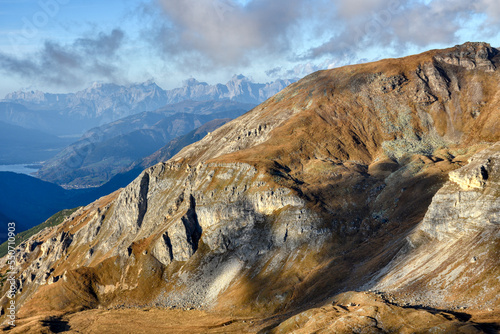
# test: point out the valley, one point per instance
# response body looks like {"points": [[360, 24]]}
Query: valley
{"points": [[103, 152]]}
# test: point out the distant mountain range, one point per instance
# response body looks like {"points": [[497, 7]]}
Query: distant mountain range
{"points": [[239, 88], [72, 113]]}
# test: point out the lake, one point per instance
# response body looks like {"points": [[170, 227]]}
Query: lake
{"points": [[21, 169]]}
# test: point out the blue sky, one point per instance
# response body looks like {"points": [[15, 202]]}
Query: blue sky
{"points": [[64, 45]]}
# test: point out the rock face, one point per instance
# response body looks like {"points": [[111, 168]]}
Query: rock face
{"points": [[477, 172], [184, 235], [453, 252], [471, 56], [473, 205], [337, 183]]}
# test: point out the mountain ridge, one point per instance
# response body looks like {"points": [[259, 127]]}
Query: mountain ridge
{"points": [[109, 102], [329, 186], [75, 113]]}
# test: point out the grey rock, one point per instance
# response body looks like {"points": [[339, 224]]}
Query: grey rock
{"points": [[185, 234], [132, 204], [162, 250], [471, 56], [469, 201]]}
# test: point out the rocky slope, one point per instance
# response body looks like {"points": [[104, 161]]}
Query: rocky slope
{"points": [[334, 184], [451, 259]]}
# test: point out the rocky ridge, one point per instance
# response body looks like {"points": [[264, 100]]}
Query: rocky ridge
{"points": [[335, 182]]}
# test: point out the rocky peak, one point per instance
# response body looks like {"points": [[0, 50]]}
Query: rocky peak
{"points": [[32, 96], [481, 169], [193, 82], [471, 55], [239, 78]]}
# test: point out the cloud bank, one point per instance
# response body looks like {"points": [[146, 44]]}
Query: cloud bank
{"points": [[266, 38], [69, 65], [224, 32]]}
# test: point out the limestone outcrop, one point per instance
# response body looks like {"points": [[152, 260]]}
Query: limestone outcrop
{"points": [[471, 56], [451, 258], [470, 201]]}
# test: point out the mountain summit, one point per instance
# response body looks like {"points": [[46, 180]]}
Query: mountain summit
{"points": [[103, 103], [380, 177], [111, 101], [239, 89]]}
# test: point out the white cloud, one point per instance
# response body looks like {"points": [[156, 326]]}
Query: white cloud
{"points": [[224, 32], [402, 23], [68, 65]]}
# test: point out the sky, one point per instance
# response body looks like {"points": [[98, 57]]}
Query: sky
{"points": [[65, 45]]}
